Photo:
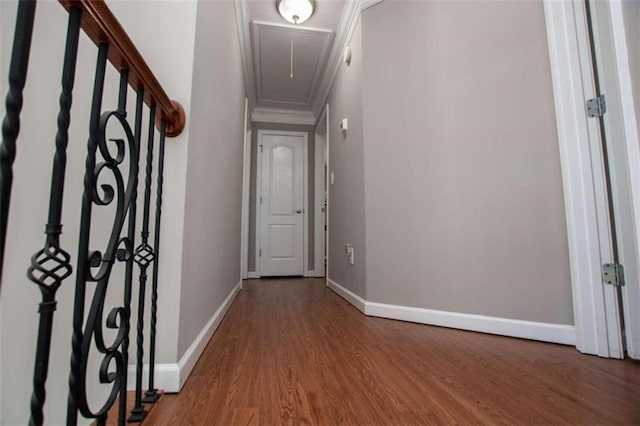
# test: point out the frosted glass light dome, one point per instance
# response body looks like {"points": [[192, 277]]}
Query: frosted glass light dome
{"points": [[295, 11]]}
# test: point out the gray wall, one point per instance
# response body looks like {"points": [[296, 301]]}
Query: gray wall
{"points": [[255, 126], [631, 11], [463, 195], [346, 161], [213, 208]]}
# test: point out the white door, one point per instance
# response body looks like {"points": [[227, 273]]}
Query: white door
{"points": [[621, 147], [282, 202]]}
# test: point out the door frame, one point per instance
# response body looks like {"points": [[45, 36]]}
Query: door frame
{"points": [[572, 85], [320, 188], [305, 194], [246, 180]]}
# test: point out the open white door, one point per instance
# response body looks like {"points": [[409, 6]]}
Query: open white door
{"points": [[622, 151], [282, 202]]}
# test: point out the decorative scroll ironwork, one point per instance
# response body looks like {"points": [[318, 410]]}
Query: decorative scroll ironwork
{"points": [[11, 122], [143, 256], [110, 179], [52, 265], [152, 395], [120, 192]]}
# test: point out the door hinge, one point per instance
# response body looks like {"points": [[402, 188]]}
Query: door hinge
{"points": [[596, 107], [261, 199], [613, 274], [260, 253], [260, 148]]}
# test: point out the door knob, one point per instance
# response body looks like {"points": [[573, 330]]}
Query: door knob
{"points": [[299, 211]]}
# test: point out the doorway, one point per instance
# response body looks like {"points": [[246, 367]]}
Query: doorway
{"points": [[282, 203]]}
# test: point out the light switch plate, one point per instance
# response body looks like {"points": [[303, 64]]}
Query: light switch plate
{"points": [[344, 125]]}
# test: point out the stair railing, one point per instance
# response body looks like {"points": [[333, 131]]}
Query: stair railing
{"points": [[52, 265]]}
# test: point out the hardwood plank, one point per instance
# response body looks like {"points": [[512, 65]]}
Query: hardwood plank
{"points": [[290, 351]]}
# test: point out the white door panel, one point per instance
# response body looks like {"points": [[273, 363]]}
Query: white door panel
{"points": [[282, 206], [622, 147]]}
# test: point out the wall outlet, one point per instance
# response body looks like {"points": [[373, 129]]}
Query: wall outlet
{"points": [[351, 256]]}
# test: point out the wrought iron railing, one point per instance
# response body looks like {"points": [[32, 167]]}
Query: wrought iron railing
{"points": [[119, 159]]}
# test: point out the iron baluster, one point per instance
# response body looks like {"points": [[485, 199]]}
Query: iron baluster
{"points": [[96, 266], [11, 122], [76, 381], [143, 256], [152, 393], [51, 265], [122, 408]]}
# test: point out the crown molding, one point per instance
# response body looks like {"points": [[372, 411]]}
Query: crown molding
{"points": [[244, 34], [366, 4], [347, 25], [283, 116]]}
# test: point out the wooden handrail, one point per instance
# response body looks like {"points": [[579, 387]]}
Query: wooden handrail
{"points": [[99, 23]]}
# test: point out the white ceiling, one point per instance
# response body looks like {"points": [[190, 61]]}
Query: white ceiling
{"points": [[274, 64], [267, 48]]}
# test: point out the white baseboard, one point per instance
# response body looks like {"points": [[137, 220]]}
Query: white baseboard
{"points": [[171, 377], [545, 332], [167, 377], [192, 354], [349, 296], [252, 275]]}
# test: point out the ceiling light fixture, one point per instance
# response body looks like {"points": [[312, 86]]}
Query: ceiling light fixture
{"points": [[296, 11]]}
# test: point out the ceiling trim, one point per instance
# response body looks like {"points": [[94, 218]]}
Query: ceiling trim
{"points": [[244, 33], [366, 4], [347, 25], [273, 115], [256, 27]]}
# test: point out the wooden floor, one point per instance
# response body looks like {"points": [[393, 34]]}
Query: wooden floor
{"points": [[291, 351]]}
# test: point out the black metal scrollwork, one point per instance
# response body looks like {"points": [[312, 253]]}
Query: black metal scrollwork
{"points": [[118, 193]]}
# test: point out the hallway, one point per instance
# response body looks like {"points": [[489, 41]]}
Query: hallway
{"points": [[290, 351]]}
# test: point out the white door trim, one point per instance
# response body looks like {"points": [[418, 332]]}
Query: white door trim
{"points": [[577, 178], [305, 192], [246, 179], [319, 192], [325, 115]]}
